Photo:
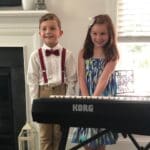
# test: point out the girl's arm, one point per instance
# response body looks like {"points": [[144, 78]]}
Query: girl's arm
{"points": [[104, 78], [81, 75]]}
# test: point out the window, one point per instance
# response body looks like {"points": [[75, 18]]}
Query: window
{"points": [[133, 26]]}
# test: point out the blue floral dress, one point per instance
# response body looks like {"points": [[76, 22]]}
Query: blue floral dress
{"points": [[94, 68]]}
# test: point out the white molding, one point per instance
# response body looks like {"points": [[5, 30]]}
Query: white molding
{"points": [[20, 19], [22, 13], [17, 32]]}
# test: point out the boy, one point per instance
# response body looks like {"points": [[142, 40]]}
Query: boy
{"points": [[51, 71]]}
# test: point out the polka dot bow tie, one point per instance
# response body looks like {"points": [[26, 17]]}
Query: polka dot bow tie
{"points": [[49, 52]]}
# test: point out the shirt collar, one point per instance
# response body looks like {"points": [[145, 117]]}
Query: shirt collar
{"points": [[58, 46]]}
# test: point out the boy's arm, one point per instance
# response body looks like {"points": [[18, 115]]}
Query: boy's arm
{"points": [[71, 73], [33, 77]]}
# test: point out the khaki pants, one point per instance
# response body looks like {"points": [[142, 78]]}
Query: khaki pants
{"points": [[50, 134]]}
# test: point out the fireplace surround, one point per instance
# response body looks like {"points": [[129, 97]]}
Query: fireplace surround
{"points": [[18, 38], [12, 96]]}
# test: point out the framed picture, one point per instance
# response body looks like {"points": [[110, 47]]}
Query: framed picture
{"points": [[125, 81]]}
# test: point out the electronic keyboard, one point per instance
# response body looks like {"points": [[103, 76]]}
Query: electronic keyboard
{"points": [[125, 114], [121, 114]]}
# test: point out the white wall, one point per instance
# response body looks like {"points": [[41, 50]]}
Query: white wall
{"points": [[74, 15]]}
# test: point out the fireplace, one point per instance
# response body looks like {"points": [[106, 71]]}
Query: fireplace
{"points": [[19, 37], [12, 96]]}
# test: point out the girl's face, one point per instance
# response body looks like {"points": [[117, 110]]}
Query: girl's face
{"points": [[50, 32], [99, 35]]}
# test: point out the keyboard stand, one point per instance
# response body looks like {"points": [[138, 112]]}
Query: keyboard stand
{"points": [[63, 142], [89, 140], [136, 144], [65, 131]]}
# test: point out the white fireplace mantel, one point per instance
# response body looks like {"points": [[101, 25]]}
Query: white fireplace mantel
{"points": [[20, 19], [22, 13], [21, 28]]}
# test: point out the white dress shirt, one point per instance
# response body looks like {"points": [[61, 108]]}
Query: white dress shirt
{"points": [[53, 70]]}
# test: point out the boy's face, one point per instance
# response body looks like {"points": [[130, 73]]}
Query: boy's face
{"points": [[50, 32]]}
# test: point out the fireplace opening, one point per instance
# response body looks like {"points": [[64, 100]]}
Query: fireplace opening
{"points": [[12, 96], [6, 117]]}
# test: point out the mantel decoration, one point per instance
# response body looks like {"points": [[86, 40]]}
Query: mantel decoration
{"points": [[27, 4], [40, 5]]}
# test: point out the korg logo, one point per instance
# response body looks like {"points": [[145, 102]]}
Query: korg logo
{"points": [[83, 108]]}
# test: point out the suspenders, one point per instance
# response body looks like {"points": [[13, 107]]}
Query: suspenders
{"points": [[63, 56], [63, 64], [43, 65]]}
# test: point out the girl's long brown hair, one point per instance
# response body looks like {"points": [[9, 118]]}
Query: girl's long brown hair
{"points": [[110, 48]]}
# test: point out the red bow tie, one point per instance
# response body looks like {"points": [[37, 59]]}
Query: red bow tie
{"points": [[49, 52]]}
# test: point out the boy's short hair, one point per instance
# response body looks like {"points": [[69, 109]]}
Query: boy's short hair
{"points": [[50, 16]]}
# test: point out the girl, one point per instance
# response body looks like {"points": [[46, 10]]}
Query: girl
{"points": [[96, 64]]}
